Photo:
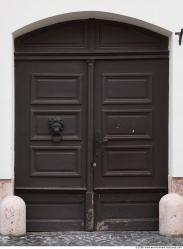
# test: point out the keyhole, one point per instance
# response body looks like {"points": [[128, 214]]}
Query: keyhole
{"points": [[133, 131], [118, 125]]}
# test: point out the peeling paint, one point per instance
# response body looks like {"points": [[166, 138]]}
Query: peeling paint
{"points": [[90, 219], [101, 226]]}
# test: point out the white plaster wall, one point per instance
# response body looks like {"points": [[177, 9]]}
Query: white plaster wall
{"points": [[20, 16]]}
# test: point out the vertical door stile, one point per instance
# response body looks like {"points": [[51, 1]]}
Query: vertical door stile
{"points": [[89, 194]]}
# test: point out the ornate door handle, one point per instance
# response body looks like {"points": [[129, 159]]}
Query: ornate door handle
{"points": [[56, 127]]}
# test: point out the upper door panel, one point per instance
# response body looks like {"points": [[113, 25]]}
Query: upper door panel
{"points": [[90, 36], [51, 91], [131, 123]]}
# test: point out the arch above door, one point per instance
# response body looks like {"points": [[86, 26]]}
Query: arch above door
{"points": [[91, 36]]}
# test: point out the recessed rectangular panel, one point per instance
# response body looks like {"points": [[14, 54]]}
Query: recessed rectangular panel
{"points": [[72, 204], [59, 37], [127, 124], [115, 36], [55, 161], [127, 161], [54, 210], [56, 89], [129, 210], [127, 88], [71, 120]]}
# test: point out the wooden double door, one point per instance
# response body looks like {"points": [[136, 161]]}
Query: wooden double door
{"points": [[91, 140]]}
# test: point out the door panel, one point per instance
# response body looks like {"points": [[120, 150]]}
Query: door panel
{"points": [[127, 210], [130, 100], [52, 90], [56, 88], [127, 88], [45, 105], [127, 124], [72, 124], [131, 127], [127, 161], [53, 210]]}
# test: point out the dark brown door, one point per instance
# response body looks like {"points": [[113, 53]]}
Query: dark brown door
{"points": [[91, 126], [52, 91], [131, 126]]}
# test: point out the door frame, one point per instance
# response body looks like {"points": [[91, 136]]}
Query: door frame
{"points": [[9, 183], [111, 16], [90, 124]]}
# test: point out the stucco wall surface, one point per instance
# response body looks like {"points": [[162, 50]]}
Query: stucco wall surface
{"points": [[21, 16]]}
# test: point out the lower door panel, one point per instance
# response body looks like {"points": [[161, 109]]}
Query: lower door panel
{"points": [[54, 211], [130, 210]]}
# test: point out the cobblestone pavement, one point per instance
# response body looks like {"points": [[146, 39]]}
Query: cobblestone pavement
{"points": [[91, 239]]}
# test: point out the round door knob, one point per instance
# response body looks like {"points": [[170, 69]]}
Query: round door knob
{"points": [[94, 164]]}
